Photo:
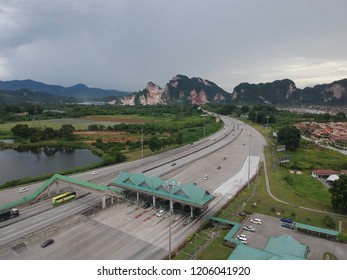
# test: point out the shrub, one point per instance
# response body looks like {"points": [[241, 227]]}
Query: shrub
{"points": [[329, 222]]}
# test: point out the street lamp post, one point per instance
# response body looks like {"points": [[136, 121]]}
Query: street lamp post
{"points": [[196, 235], [204, 116], [249, 160], [204, 128], [169, 186], [142, 141]]}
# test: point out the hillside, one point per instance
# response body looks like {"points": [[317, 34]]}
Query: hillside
{"points": [[26, 96], [284, 92], [79, 91], [179, 89]]}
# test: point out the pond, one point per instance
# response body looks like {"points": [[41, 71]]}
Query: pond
{"points": [[19, 164]]}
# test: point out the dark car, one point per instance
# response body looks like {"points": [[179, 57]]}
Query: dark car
{"points": [[286, 225], [47, 243], [146, 205], [286, 220]]}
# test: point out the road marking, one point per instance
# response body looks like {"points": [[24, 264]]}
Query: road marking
{"points": [[12, 229]]}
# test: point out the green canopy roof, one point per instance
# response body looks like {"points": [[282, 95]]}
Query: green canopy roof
{"points": [[317, 229], [188, 193]]}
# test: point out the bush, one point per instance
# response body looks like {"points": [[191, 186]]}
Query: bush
{"points": [[288, 179], [342, 237], [329, 222]]}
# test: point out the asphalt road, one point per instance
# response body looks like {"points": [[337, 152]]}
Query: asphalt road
{"points": [[126, 231]]}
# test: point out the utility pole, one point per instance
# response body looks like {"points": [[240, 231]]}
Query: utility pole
{"points": [[249, 160], [141, 141]]}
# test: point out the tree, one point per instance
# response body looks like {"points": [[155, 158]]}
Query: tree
{"points": [[179, 138], [289, 136], [21, 130], [154, 144], [339, 194], [339, 117], [49, 133], [244, 109], [67, 131]]}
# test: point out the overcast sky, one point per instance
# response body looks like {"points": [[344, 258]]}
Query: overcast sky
{"points": [[123, 44]]}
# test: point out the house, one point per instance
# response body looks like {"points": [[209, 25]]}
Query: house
{"points": [[323, 173]]}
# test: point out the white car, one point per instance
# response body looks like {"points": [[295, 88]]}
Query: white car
{"points": [[94, 172], [249, 228], [160, 213], [256, 221], [242, 236], [23, 190], [205, 177]]}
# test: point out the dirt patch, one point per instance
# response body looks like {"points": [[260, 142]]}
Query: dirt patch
{"points": [[98, 133], [295, 172], [106, 136]]}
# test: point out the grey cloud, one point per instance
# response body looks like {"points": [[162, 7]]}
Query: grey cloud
{"points": [[123, 44]]}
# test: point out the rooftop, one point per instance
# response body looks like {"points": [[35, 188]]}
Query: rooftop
{"points": [[188, 193]]}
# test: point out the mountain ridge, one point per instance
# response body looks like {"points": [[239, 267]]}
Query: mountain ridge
{"points": [[182, 89], [80, 91]]}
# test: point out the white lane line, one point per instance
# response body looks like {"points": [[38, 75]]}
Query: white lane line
{"points": [[12, 229]]}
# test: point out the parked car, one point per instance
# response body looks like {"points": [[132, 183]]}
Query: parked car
{"points": [[205, 177], [286, 220], [249, 228], [23, 190], [94, 172], [47, 243], [286, 225], [241, 236], [218, 167], [256, 221], [160, 212]]}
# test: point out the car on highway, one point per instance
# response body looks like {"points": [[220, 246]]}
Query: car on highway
{"points": [[287, 225], [146, 205], [249, 228], [286, 220], [47, 243], [94, 173], [173, 164], [23, 190], [256, 221], [160, 212]]}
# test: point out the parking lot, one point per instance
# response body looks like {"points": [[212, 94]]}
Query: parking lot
{"points": [[272, 226]]}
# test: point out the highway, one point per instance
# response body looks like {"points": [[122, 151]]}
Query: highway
{"points": [[126, 231]]}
